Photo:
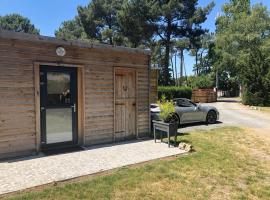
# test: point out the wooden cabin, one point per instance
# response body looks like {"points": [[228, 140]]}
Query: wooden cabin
{"points": [[57, 93]]}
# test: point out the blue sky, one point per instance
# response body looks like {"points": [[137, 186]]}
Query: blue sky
{"points": [[47, 15]]}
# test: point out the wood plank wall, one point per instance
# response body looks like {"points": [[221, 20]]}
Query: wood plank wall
{"points": [[17, 102], [204, 96], [154, 86]]}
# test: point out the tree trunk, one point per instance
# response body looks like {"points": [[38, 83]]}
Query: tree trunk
{"points": [[173, 69], [181, 62], [111, 41], [196, 64], [176, 75], [201, 63], [166, 72], [110, 27]]}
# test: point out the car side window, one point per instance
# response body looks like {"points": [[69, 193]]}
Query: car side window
{"points": [[184, 103]]}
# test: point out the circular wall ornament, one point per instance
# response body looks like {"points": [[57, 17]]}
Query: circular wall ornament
{"points": [[60, 51]]}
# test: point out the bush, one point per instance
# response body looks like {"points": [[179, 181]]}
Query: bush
{"points": [[255, 99], [171, 92], [201, 82], [167, 109]]}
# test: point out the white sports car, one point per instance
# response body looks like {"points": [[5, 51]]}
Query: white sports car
{"points": [[188, 112]]}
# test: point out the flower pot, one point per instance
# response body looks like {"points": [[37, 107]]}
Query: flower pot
{"points": [[169, 128]]}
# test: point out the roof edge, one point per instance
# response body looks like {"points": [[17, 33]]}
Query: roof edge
{"points": [[78, 43]]}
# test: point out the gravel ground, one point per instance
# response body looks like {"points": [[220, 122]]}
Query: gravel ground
{"points": [[34, 171]]}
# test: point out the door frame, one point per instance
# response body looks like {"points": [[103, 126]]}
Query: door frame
{"points": [[72, 72], [80, 99], [136, 98]]}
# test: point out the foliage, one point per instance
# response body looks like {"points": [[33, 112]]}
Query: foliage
{"points": [[99, 20], [17, 23], [171, 92], [227, 83], [204, 55], [176, 19], [134, 24], [200, 82], [139, 23], [167, 109], [242, 48], [71, 30], [256, 98]]}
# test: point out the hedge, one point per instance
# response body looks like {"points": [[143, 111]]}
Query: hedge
{"points": [[255, 99], [171, 92]]}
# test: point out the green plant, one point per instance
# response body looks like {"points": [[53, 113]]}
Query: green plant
{"points": [[201, 82], [256, 99], [167, 109], [171, 92]]}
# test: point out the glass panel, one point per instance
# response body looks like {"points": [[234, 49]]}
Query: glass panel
{"points": [[183, 103], [59, 125], [58, 88]]}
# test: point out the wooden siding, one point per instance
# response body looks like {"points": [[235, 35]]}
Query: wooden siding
{"points": [[153, 85], [204, 96], [143, 101], [17, 91]]}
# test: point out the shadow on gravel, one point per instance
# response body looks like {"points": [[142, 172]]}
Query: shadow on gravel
{"points": [[198, 124], [229, 100]]}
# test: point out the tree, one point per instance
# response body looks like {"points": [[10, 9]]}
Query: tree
{"points": [[17, 23], [140, 23], [242, 48], [71, 30], [205, 54], [99, 20], [169, 20], [181, 46], [134, 20]]}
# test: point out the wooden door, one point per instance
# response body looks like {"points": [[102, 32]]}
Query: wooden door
{"points": [[125, 104]]}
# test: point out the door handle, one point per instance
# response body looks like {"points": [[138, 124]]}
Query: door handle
{"points": [[74, 107]]}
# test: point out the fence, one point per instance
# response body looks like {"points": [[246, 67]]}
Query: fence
{"points": [[204, 95]]}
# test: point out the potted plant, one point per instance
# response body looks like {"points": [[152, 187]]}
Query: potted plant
{"points": [[168, 123]]}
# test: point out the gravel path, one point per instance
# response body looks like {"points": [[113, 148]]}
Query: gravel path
{"points": [[25, 173], [232, 113]]}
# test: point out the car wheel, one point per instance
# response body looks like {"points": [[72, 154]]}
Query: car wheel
{"points": [[211, 117]]}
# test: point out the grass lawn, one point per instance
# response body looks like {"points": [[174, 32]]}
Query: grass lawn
{"points": [[229, 163]]}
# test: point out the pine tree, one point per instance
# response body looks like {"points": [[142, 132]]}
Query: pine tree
{"points": [[17, 23], [99, 20], [169, 20]]}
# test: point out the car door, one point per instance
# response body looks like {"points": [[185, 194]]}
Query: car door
{"points": [[189, 111]]}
